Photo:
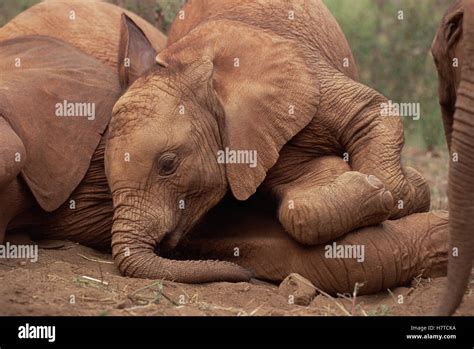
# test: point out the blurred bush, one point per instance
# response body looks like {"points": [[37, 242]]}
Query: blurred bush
{"points": [[10, 8], [159, 12], [393, 55]]}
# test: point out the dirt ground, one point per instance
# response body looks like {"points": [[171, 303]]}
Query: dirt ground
{"points": [[70, 279]]}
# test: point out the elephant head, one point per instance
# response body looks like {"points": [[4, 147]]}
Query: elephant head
{"points": [[178, 132], [453, 52]]}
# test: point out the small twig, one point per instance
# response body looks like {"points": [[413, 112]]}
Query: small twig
{"points": [[253, 312], [95, 259], [100, 270], [391, 294], [93, 279], [354, 296], [91, 299], [418, 280]]}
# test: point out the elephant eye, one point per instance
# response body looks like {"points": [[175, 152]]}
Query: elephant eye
{"points": [[167, 164]]}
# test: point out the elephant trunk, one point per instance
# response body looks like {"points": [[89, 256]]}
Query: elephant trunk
{"points": [[461, 179], [133, 250]]}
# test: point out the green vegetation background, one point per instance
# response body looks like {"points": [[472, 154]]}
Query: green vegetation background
{"points": [[393, 55]]}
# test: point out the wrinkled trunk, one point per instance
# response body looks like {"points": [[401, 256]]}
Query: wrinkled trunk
{"points": [[133, 250], [461, 180]]}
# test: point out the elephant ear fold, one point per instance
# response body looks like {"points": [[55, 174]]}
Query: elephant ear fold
{"points": [[58, 100], [267, 93], [266, 90], [136, 53]]}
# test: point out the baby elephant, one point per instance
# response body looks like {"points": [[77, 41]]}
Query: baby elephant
{"points": [[252, 94]]}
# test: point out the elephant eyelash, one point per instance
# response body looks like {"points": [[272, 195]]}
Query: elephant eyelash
{"points": [[166, 164]]}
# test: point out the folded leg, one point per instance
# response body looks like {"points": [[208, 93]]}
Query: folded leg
{"points": [[322, 199]]}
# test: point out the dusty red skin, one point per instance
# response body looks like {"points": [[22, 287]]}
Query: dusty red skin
{"points": [[454, 39]]}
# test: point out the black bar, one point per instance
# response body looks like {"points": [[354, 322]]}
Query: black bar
{"points": [[384, 331]]}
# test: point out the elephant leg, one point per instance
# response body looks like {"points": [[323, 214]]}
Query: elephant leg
{"points": [[373, 141], [374, 144], [410, 190], [379, 257], [324, 200]]}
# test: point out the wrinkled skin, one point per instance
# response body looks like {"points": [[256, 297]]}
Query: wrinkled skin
{"points": [[90, 221], [453, 52], [96, 32], [252, 76], [395, 252]]}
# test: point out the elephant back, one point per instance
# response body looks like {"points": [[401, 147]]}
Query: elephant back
{"points": [[91, 26], [59, 101]]}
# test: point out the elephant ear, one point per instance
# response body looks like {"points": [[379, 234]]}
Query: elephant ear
{"points": [[59, 101], [136, 53], [266, 90]]}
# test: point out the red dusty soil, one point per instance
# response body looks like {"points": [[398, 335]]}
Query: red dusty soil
{"points": [[58, 284]]}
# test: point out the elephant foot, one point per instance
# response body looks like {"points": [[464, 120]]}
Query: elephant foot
{"points": [[432, 242], [316, 215], [417, 198], [422, 200]]}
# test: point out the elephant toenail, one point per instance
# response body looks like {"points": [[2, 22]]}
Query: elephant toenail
{"points": [[387, 200], [374, 181]]}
